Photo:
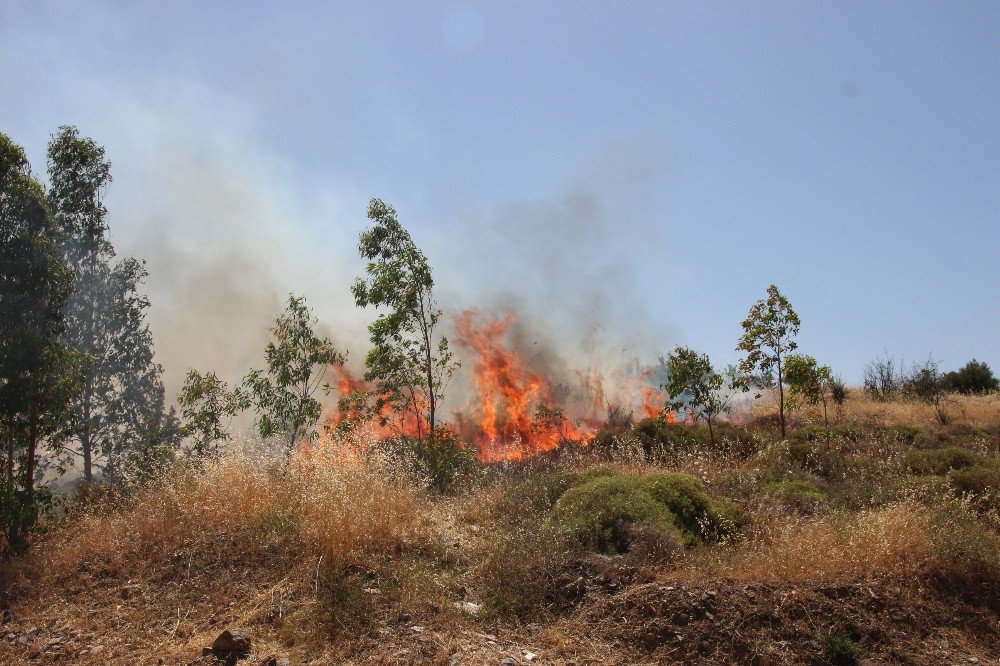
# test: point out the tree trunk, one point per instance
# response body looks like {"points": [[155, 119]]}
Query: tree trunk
{"points": [[711, 433], [781, 399]]}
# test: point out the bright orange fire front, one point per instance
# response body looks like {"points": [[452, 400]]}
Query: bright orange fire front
{"points": [[509, 425]]}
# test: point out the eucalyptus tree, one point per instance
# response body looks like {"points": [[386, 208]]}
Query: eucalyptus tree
{"points": [[769, 332], [105, 314], [409, 362], [38, 371], [297, 359], [695, 386]]}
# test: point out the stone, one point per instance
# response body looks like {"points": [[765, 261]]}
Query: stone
{"points": [[232, 640]]}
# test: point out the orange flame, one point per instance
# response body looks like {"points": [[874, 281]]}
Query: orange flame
{"points": [[510, 425]]}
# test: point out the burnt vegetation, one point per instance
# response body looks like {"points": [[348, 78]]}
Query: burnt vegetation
{"points": [[757, 513]]}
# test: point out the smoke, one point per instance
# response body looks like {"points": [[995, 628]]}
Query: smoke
{"points": [[228, 233]]}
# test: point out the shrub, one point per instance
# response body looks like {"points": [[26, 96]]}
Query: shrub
{"points": [[841, 646], [658, 437], [980, 481], [599, 512], [443, 460], [973, 377], [810, 456], [940, 461], [801, 495], [695, 512], [522, 574], [966, 556]]}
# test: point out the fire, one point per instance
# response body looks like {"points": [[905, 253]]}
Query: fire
{"points": [[517, 415], [514, 411]]}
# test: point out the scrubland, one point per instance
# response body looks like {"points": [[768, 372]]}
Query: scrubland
{"points": [[876, 539]]}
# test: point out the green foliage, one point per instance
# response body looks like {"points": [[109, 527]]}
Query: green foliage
{"points": [[105, 316], [799, 494], [443, 459], [768, 336], [206, 401], [940, 461], [600, 511], [842, 646], [659, 437], [973, 377], [981, 481], [694, 385], [809, 382], [39, 373], [408, 362], [296, 359]]}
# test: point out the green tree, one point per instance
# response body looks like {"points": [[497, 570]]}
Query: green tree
{"points": [[105, 314], [768, 335], [973, 377], [206, 402], [38, 372], [811, 383], [296, 363], [695, 386], [408, 362]]}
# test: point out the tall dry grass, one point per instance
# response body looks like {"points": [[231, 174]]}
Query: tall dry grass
{"points": [[342, 510], [971, 411]]}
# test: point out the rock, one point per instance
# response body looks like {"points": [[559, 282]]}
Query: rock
{"points": [[274, 661], [232, 640], [529, 656], [468, 606], [508, 661]]}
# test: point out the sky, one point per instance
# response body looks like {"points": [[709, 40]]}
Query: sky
{"points": [[624, 176]]}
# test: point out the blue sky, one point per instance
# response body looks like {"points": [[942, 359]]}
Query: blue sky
{"points": [[633, 173]]}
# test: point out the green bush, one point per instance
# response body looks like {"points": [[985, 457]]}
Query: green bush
{"points": [[801, 495], [810, 456], [695, 512], [940, 461], [842, 646], [443, 460], [599, 512], [658, 437], [980, 481]]}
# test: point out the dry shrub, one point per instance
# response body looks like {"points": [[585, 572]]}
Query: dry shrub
{"points": [[238, 505], [830, 548]]}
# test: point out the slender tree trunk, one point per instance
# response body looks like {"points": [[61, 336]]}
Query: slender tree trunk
{"points": [[9, 446], [781, 399], [711, 433], [86, 445], [428, 367]]}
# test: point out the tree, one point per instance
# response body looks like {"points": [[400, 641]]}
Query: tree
{"points": [[973, 377], [695, 386], [768, 335], [811, 383], [105, 315], [409, 364], [926, 383], [38, 372], [296, 363], [206, 401]]}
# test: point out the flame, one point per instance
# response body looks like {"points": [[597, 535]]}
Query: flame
{"points": [[514, 411], [509, 425]]}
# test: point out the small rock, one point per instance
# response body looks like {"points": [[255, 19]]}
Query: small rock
{"points": [[468, 606], [529, 656], [417, 629], [508, 661], [232, 640]]}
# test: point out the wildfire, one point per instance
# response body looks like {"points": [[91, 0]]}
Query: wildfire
{"points": [[514, 411], [518, 416]]}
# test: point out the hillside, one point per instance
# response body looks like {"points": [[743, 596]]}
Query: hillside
{"points": [[877, 541]]}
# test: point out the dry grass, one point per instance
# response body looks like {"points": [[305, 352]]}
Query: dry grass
{"points": [[971, 411], [342, 511], [824, 549]]}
